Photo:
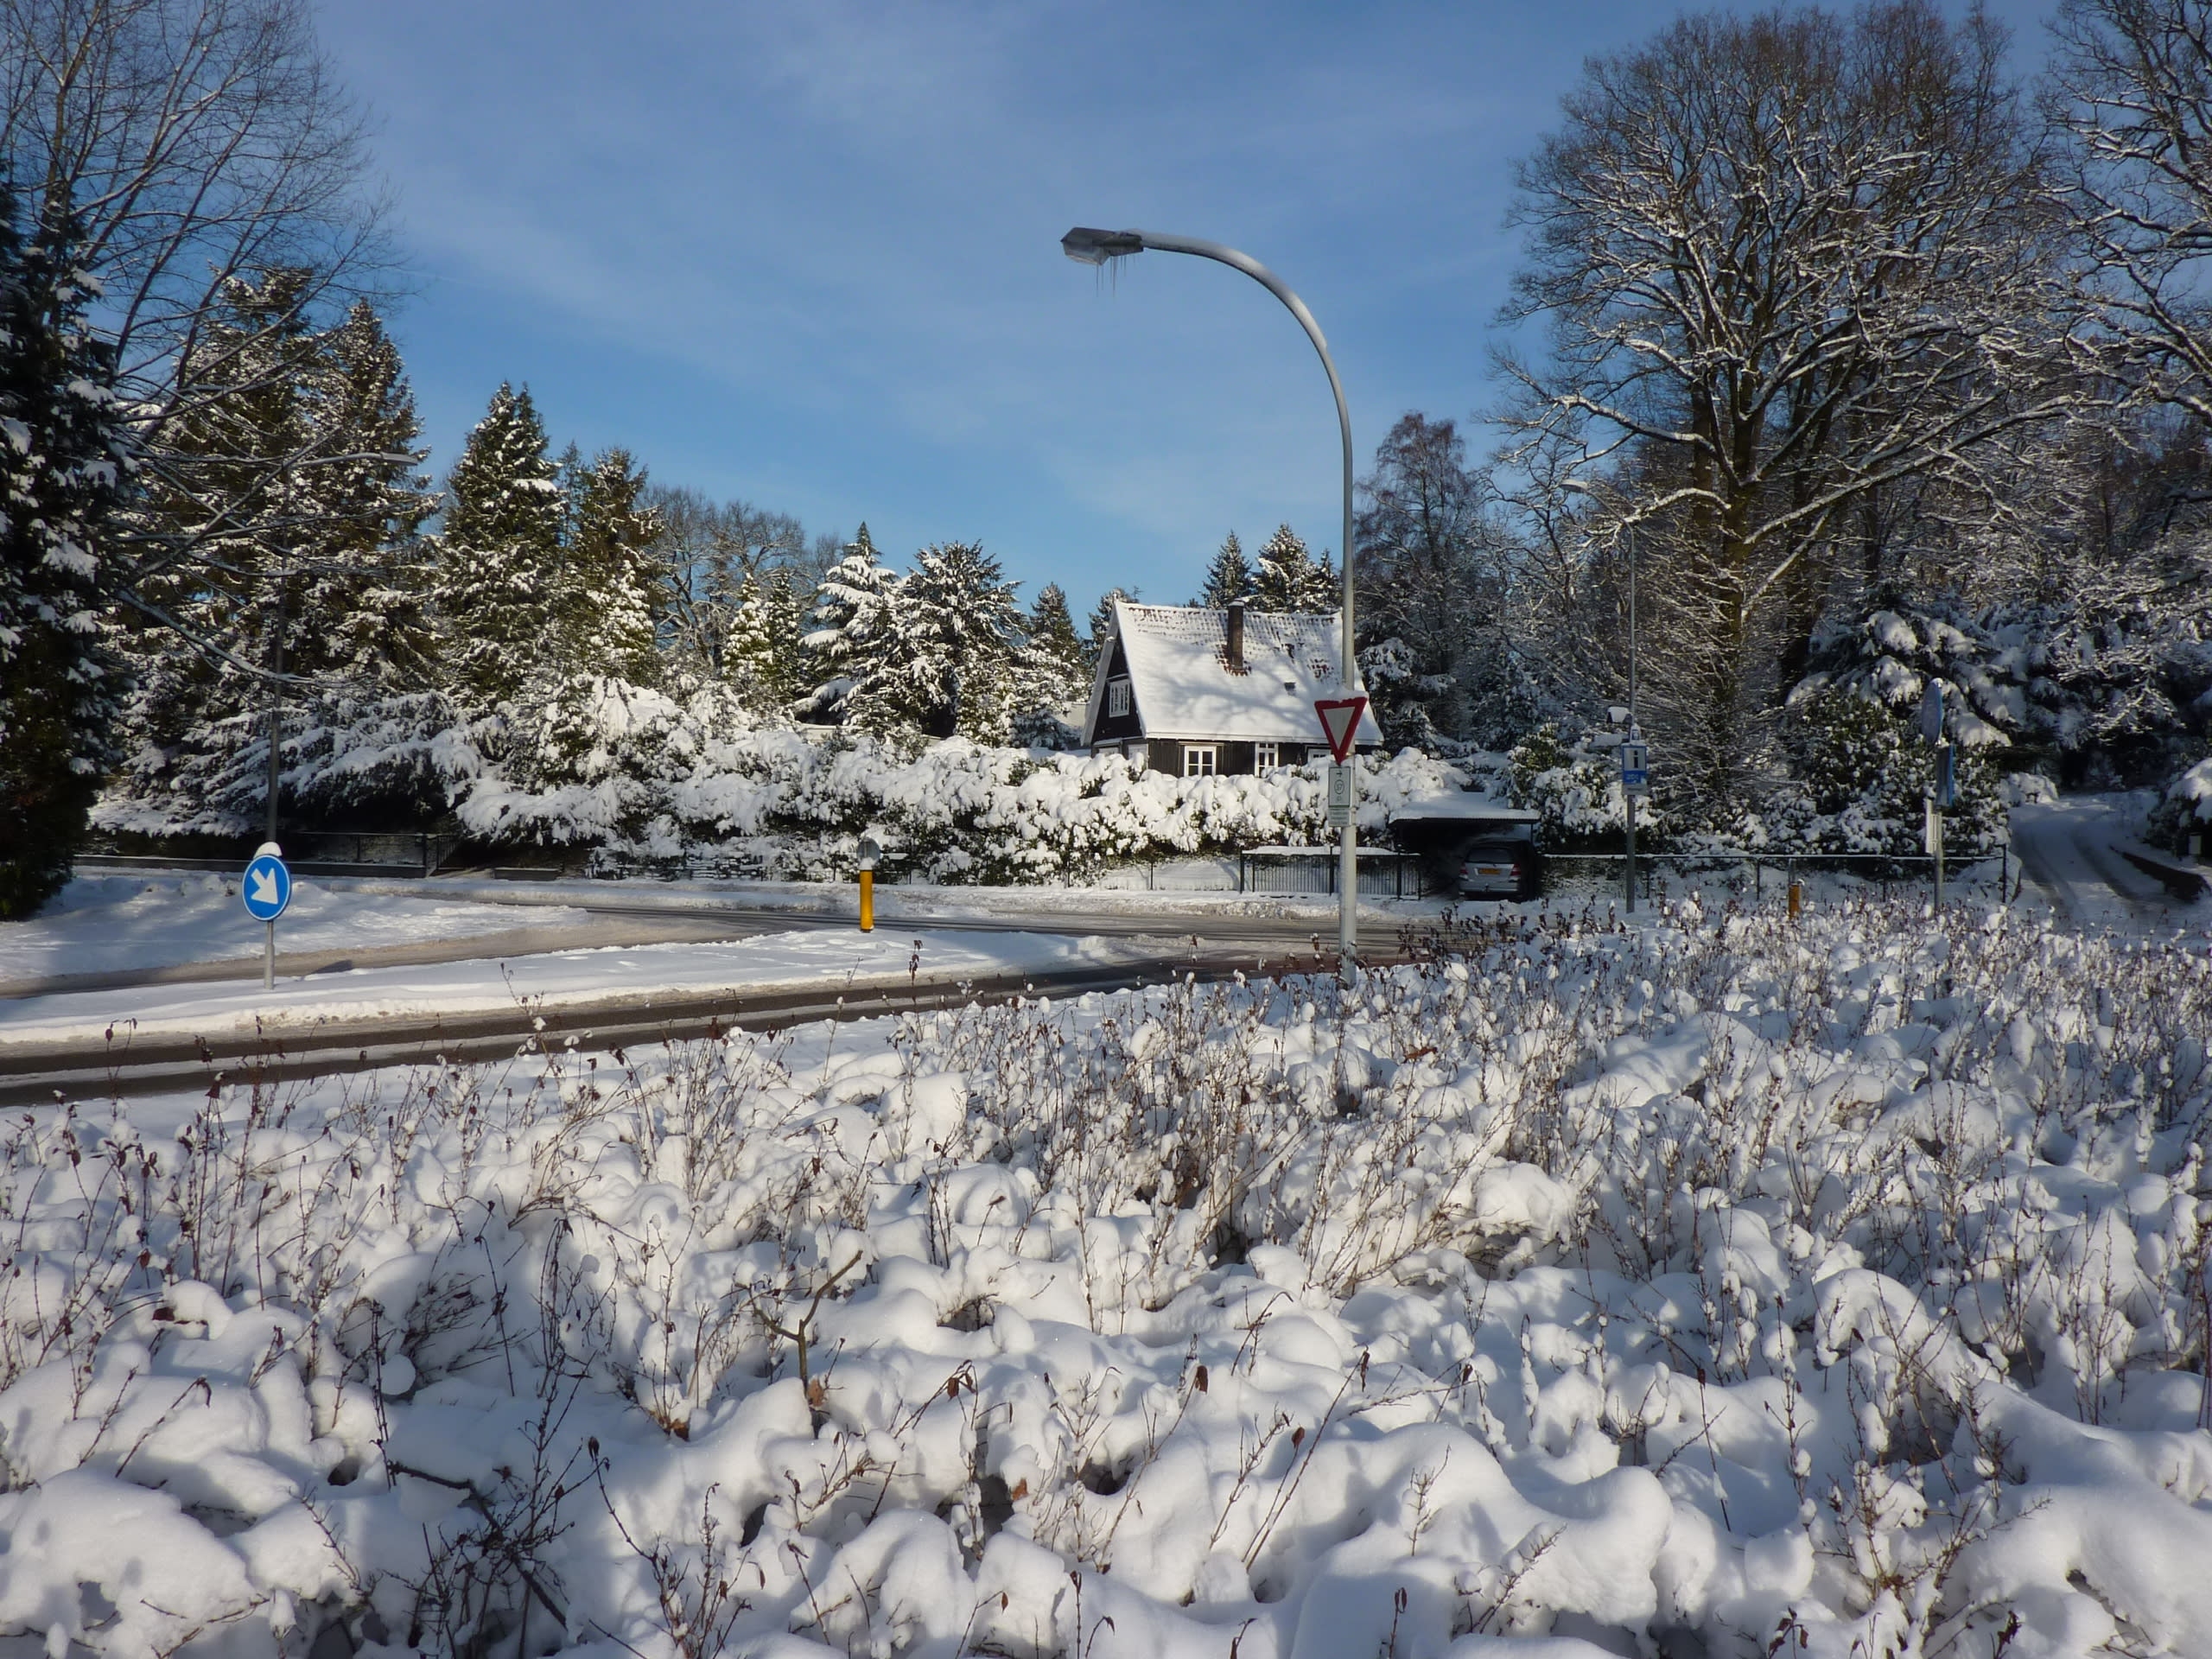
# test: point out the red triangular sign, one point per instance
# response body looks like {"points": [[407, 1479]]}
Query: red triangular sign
{"points": [[1340, 723]]}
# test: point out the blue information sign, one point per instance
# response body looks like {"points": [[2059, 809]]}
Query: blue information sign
{"points": [[268, 887], [1636, 767]]}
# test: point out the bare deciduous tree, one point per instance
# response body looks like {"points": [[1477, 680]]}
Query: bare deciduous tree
{"points": [[2131, 83], [192, 147], [1787, 262]]}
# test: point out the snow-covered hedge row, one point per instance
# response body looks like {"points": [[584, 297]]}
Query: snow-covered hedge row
{"points": [[1728, 1287], [604, 763]]}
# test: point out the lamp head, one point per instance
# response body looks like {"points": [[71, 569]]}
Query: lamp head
{"points": [[1089, 247]]}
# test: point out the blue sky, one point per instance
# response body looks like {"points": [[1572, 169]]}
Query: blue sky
{"points": [[807, 253]]}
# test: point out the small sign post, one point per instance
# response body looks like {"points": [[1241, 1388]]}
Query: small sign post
{"points": [[1635, 780], [1943, 783], [870, 850], [1342, 787], [1340, 718], [265, 891]]}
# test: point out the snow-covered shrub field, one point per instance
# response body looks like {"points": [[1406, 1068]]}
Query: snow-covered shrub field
{"points": [[1728, 1287]]}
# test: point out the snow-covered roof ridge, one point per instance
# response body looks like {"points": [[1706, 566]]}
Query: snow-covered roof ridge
{"points": [[1184, 688]]}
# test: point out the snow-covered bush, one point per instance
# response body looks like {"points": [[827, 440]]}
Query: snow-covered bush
{"points": [[1576, 787], [1858, 777], [2185, 808], [1727, 1285]]}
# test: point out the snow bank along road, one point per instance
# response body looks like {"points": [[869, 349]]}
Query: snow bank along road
{"points": [[1722, 1287]]}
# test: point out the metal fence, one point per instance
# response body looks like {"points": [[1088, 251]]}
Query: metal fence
{"points": [[308, 852], [1312, 870]]}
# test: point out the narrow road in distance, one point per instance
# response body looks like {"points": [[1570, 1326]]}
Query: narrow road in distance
{"points": [[2083, 857]]}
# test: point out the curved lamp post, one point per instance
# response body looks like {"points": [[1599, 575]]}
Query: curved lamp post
{"points": [[1095, 247]]}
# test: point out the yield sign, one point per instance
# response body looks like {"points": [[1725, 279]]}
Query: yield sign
{"points": [[1340, 722]]}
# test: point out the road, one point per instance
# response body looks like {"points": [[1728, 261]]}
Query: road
{"points": [[2084, 857], [672, 918], [119, 1066]]}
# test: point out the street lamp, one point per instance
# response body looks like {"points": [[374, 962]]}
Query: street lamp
{"points": [[1095, 247]]}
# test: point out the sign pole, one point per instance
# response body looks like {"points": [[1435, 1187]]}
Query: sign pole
{"points": [[1636, 779], [1631, 851], [265, 890], [1340, 718]]}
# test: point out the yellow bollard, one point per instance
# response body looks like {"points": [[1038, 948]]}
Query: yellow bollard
{"points": [[867, 901]]}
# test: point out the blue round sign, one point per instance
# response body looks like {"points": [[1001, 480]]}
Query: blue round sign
{"points": [[267, 888]]}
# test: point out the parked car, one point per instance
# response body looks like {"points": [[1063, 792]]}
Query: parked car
{"points": [[1498, 868]]}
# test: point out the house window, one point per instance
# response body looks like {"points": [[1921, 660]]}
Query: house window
{"points": [[1265, 755], [1201, 759], [1117, 699]]}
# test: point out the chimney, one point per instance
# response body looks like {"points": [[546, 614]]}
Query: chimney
{"points": [[1235, 649]]}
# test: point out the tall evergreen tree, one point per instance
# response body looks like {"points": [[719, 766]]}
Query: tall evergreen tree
{"points": [[764, 662], [1051, 670], [498, 556], [854, 626], [948, 671], [1101, 623], [608, 591], [1289, 579], [1229, 578], [64, 466], [297, 492], [363, 605]]}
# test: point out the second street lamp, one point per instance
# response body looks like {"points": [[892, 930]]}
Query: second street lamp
{"points": [[1095, 247]]}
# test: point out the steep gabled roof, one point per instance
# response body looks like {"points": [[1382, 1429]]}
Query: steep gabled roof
{"points": [[1180, 681]]}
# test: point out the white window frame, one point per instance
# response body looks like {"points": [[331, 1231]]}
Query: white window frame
{"points": [[1266, 755], [1117, 699], [1202, 759]]}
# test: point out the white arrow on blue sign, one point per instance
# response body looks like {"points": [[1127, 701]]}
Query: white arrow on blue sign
{"points": [[267, 888]]}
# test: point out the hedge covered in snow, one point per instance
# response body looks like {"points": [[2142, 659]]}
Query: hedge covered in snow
{"points": [[607, 764]]}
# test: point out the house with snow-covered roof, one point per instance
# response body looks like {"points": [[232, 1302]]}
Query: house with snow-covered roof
{"points": [[1197, 692]]}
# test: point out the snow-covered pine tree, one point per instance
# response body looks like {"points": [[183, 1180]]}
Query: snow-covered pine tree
{"points": [[608, 587], [852, 631], [1049, 676], [287, 497], [948, 670], [762, 660], [1101, 624], [1288, 578], [227, 499], [363, 600], [498, 555], [1228, 578], [65, 463]]}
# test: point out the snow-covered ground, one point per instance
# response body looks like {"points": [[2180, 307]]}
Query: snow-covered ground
{"points": [[738, 966], [107, 922], [1721, 1286]]}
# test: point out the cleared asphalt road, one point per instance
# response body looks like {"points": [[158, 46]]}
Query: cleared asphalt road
{"points": [[120, 1065], [673, 919]]}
